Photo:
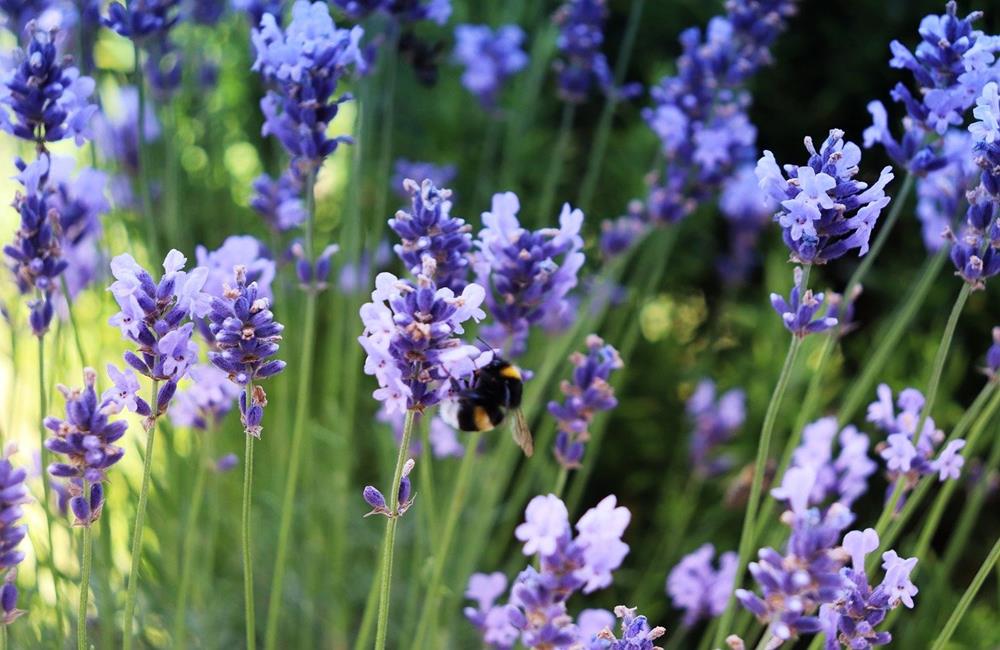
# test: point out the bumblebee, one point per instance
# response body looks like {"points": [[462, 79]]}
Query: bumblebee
{"points": [[495, 392]]}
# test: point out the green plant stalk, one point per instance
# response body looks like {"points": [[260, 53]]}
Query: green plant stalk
{"points": [[556, 162], [143, 181], [931, 394], [43, 455], [246, 521], [298, 433], [561, 479], [72, 321], [596, 158], [140, 516], [187, 548], [970, 593], [368, 616], [85, 560], [756, 485], [428, 617], [3, 637], [385, 575]]}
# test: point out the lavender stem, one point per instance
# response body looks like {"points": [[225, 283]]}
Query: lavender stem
{"points": [[85, 561], [970, 593], [247, 555]]}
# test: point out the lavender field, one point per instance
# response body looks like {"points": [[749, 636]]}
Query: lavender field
{"points": [[432, 324]]}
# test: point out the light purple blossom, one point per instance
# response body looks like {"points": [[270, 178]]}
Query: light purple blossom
{"points": [[236, 250], [489, 57], [716, 419], [700, 589]]}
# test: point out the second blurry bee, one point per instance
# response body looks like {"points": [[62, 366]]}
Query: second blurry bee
{"points": [[495, 392]]}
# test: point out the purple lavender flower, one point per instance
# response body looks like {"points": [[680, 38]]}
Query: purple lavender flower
{"points": [[700, 589], [581, 34], [207, 12], [354, 276], [699, 114], [824, 212], [489, 58], [716, 419], [619, 234], [636, 634], [236, 250], [942, 192], [490, 619], [246, 336], [410, 336], [586, 394], [35, 257], [798, 313], [13, 494], [86, 438], [156, 317], [518, 267], [226, 463], [431, 237], [950, 65], [906, 452], [124, 391], [80, 202], [974, 250], [117, 136], [279, 202], [206, 401], [408, 11], [255, 9], [305, 63], [993, 356], [844, 477], [48, 98], [795, 584], [143, 19], [404, 500], [439, 175], [851, 621], [747, 211]]}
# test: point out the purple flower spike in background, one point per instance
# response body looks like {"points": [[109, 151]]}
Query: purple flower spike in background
{"points": [[305, 62], [407, 11], [86, 439], [279, 202], [716, 419], [993, 356], [246, 335], [13, 494], [843, 477], [489, 58], [142, 19], [582, 66], [586, 394], [799, 313], [431, 237], [439, 175], [80, 203], [519, 268], [236, 250], [206, 401], [824, 212], [700, 589], [255, 9]]}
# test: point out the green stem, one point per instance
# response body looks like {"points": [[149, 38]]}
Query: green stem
{"points": [[43, 455], [970, 593], [247, 551], [295, 452], [3, 637], [561, 482], [385, 575], [187, 549], [596, 158], [72, 321], [140, 515], [85, 559], [143, 180], [428, 616], [749, 521], [368, 617], [931, 394], [556, 162]]}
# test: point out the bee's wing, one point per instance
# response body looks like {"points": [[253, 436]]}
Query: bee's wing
{"points": [[449, 412], [521, 433]]}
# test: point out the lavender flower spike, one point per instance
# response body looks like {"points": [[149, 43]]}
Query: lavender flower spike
{"points": [[716, 419], [86, 438], [824, 211], [247, 335], [698, 588], [636, 633], [13, 494], [586, 394], [797, 314], [489, 57]]}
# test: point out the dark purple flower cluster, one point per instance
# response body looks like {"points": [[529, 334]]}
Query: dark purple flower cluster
{"points": [[305, 62], [581, 34], [35, 257], [432, 239], [524, 282], [406, 11], [716, 419], [799, 311], [490, 57], [246, 336], [586, 394], [974, 250], [157, 318], [824, 212], [950, 66], [279, 202], [699, 113], [13, 494], [404, 498], [636, 634], [851, 620], [86, 438], [143, 19], [795, 584], [207, 12], [47, 97]]}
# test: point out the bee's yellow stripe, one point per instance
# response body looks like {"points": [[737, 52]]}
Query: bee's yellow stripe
{"points": [[511, 372], [481, 419]]}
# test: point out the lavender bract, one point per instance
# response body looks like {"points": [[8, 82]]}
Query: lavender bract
{"points": [[246, 336], [490, 58], [700, 589], [13, 494], [524, 281], [716, 419], [586, 394], [824, 212], [86, 438]]}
